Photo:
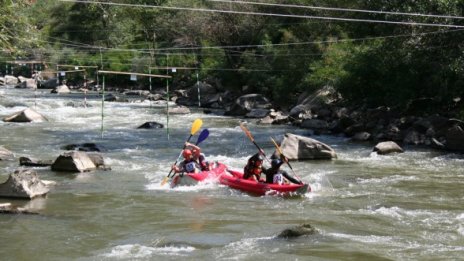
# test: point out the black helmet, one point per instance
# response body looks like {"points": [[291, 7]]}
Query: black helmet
{"points": [[276, 163]]}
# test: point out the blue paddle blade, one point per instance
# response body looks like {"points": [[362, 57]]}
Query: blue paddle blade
{"points": [[203, 135]]}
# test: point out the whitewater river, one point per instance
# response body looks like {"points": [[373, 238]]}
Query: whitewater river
{"points": [[364, 207]]}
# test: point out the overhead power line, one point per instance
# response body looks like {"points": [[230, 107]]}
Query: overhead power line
{"points": [[339, 9], [266, 14]]}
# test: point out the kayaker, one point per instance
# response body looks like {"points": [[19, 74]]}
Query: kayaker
{"points": [[275, 175], [188, 165], [198, 156], [254, 167]]}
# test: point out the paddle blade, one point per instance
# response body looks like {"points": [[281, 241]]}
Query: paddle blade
{"points": [[196, 126], [247, 132], [164, 181], [203, 135]]}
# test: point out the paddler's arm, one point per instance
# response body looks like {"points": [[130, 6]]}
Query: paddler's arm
{"points": [[290, 178]]}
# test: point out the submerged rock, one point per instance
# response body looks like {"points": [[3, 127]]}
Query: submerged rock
{"points": [[151, 125], [297, 231], [84, 147], [25, 161], [8, 208], [23, 184]]}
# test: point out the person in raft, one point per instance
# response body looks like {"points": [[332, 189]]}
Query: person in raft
{"points": [[188, 165], [254, 167], [277, 176], [198, 156]]}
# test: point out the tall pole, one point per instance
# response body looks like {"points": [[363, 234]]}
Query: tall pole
{"points": [[167, 96]]}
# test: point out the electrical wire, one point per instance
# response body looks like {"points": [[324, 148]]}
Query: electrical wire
{"points": [[265, 14]]}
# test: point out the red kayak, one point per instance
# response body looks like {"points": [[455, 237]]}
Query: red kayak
{"points": [[234, 179], [191, 179]]}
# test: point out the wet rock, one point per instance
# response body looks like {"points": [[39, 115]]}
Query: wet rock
{"points": [[455, 139], [151, 125], [25, 161], [10, 80], [361, 136], [27, 115], [84, 147], [258, 113], [27, 83], [5, 154], [98, 160], [61, 89], [74, 161], [48, 84], [115, 98], [297, 147], [179, 110], [8, 208], [315, 124], [387, 147], [297, 231], [23, 184]]}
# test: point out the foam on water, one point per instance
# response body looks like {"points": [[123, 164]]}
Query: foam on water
{"points": [[134, 251]]}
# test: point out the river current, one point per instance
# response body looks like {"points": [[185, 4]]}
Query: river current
{"points": [[364, 206]]}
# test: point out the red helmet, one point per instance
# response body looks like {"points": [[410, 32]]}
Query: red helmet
{"points": [[187, 154]]}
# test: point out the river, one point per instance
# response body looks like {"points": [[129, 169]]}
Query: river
{"points": [[364, 206]]}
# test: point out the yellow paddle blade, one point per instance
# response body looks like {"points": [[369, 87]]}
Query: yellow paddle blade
{"points": [[277, 146], [247, 132], [164, 181], [196, 126]]}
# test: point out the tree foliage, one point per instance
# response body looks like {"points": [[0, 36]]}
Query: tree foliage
{"points": [[279, 56]]}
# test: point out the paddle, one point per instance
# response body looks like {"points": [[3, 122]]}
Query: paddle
{"points": [[195, 127], [283, 157], [248, 133], [203, 135]]}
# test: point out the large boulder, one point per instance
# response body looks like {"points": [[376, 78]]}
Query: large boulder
{"points": [[5, 154], [455, 139], [74, 161], [387, 147], [61, 89], [23, 184], [244, 104], [27, 115], [49, 84], [314, 101], [296, 147], [27, 83], [10, 80]]}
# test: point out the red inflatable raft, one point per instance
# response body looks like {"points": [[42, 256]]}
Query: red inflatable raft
{"points": [[191, 179], [234, 179]]}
